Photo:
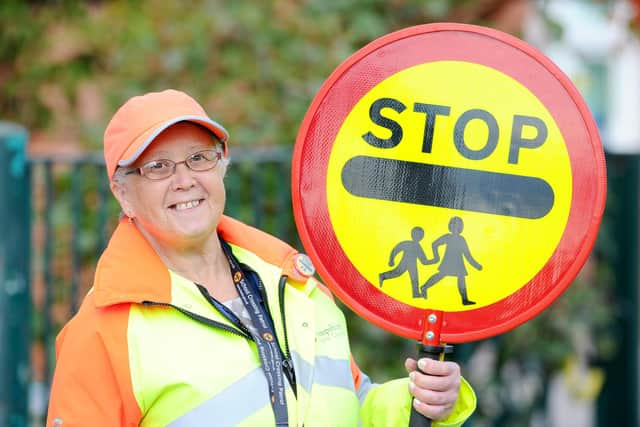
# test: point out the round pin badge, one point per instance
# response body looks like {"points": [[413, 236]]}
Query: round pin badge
{"points": [[303, 265]]}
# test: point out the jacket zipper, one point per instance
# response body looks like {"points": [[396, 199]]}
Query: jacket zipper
{"points": [[287, 363], [202, 319]]}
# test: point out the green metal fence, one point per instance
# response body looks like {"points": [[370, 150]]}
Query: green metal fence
{"points": [[14, 276]]}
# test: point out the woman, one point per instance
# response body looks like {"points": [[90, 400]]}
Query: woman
{"points": [[196, 319]]}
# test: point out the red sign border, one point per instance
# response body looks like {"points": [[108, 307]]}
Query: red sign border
{"points": [[588, 196]]}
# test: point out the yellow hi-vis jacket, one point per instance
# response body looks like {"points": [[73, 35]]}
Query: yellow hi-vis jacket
{"points": [[147, 349]]}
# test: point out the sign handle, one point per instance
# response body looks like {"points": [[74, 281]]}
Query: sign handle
{"points": [[431, 348], [435, 352]]}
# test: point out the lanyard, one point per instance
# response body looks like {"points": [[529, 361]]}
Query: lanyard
{"points": [[265, 339]]}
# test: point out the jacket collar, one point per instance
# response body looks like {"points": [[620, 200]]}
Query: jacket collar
{"points": [[130, 271]]}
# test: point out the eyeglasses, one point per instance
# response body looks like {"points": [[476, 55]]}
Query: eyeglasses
{"points": [[163, 168]]}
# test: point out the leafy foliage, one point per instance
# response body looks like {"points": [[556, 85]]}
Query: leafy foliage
{"points": [[255, 66]]}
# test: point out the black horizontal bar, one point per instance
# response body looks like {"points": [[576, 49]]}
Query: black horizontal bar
{"points": [[447, 187]]}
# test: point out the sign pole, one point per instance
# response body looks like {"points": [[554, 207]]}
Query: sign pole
{"points": [[431, 348]]}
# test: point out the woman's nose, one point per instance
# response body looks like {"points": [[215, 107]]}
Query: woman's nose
{"points": [[182, 177]]}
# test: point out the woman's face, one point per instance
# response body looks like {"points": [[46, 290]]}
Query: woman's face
{"points": [[181, 210]]}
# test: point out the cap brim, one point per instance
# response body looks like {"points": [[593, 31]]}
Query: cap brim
{"points": [[141, 143]]}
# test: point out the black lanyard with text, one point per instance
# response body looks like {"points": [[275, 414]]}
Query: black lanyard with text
{"points": [[265, 339]]}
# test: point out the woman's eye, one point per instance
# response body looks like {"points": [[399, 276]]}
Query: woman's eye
{"points": [[198, 157], [155, 166]]}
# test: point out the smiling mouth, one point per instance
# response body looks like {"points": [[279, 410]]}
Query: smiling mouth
{"points": [[186, 205]]}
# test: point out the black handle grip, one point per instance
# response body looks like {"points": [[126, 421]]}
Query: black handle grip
{"points": [[416, 419]]}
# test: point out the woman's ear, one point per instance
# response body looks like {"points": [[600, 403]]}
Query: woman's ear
{"points": [[119, 190]]}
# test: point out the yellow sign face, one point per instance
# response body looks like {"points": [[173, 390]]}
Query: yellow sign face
{"points": [[449, 186]]}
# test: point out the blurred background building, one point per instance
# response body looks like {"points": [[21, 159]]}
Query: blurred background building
{"points": [[256, 65]]}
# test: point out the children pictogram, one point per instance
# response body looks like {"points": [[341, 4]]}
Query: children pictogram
{"points": [[453, 261], [412, 251]]}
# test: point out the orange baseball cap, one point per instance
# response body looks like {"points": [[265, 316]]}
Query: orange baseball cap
{"points": [[142, 118]]}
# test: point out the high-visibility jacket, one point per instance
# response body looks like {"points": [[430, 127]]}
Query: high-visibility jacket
{"points": [[147, 349]]}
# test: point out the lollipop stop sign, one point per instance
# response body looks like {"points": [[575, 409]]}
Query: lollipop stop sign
{"points": [[448, 182]]}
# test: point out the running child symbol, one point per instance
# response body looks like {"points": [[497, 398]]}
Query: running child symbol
{"points": [[453, 262], [412, 251]]}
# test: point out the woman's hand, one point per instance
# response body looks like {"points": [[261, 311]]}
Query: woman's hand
{"points": [[435, 391]]}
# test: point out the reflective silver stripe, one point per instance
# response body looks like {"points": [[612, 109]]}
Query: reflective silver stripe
{"points": [[333, 372], [365, 387], [327, 371], [302, 369], [232, 405]]}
